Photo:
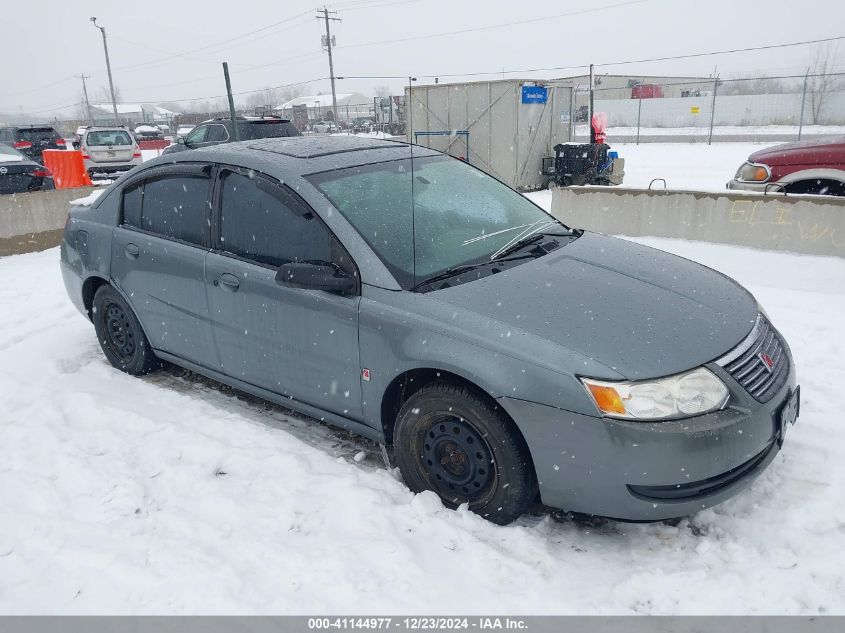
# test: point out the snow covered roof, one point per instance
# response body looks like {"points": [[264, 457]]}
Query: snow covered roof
{"points": [[323, 101]]}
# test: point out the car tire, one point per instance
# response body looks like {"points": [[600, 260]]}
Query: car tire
{"points": [[460, 444], [119, 332]]}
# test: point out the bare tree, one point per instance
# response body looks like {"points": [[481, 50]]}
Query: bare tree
{"points": [[104, 96], [272, 98], [382, 91], [821, 81]]}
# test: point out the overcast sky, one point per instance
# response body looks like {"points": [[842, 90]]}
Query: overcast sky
{"points": [[153, 43]]}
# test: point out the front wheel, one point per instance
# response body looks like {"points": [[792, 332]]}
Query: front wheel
{"points": [[461, 445], [119, 332]]}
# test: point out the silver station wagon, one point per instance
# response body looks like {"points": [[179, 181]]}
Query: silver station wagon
{"points": [[502, 358]]}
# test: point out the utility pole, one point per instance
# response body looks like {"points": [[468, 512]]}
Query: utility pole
{"points": [[235, 130], [108, 69], [329, 43], [83, 77], [803, 99], [590, 116]]}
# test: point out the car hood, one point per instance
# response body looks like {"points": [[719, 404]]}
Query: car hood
{"points": [[803, 153], [639, 311]]}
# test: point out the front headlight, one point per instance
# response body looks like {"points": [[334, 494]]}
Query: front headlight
{"points": [[753, 172], [691, 393]]}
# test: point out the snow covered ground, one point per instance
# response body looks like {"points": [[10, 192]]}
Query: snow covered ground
{"points": [[688, 166], [171, 494]]}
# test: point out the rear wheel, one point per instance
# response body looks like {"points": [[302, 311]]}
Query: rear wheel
{"points": [[461, 445], [119, 332]]}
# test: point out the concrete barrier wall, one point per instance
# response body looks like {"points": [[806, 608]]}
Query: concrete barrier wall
{"points": [[801, 224], [34, 221]]}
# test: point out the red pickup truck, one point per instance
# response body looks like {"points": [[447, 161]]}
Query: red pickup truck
{"points": [[816, 167]]}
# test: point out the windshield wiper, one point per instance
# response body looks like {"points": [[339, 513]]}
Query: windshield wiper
{"points": [[459, 270], [523, 242], [447, 274]]}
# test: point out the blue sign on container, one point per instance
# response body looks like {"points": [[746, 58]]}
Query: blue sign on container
{"points": [[535, 94]]}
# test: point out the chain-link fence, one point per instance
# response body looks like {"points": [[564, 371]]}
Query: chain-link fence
{"points": [[714, 109], [380, 114]]}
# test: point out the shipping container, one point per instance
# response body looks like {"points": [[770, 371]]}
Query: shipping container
{"points": [[504, 127]]}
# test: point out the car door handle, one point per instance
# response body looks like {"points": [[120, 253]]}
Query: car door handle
{"points": [[228, 281], [132, 251]]}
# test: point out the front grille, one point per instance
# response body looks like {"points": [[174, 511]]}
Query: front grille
{"points": [[745, 363]]}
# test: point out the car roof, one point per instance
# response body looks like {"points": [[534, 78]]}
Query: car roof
{"points": [[296, 156]]}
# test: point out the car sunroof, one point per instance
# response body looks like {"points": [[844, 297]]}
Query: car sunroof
{"points": [[310, 147]]}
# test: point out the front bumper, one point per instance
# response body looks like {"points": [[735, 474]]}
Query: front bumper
{"points": [[641, 471]]}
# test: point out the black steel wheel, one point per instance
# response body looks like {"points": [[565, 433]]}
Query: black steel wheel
{"points": [[119, 332], [457, 460], [461, 445]]}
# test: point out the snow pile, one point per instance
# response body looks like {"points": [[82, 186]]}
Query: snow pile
{"points": [[169, 494], [88, 200]]}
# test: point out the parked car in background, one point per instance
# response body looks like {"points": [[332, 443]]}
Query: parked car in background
{"points": [[324, 127], [500, 356], [218, 131], [19, 173], [164, 127], [77, 137], [183, 130], [31, 140], [363, 124], [582, 113], [148, 132], [813, 167], [109, 150]]}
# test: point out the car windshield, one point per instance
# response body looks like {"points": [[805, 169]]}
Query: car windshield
{"points": [[108, 137], [459, 215]]}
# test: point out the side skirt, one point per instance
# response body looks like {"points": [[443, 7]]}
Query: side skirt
{"points": [[334, 419]]}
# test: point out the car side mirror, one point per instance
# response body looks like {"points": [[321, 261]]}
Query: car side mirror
{"points": [[315, 277], [181, 141]]}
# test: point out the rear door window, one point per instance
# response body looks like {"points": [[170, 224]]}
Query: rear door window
{"points": [[174, 207], [216, 134]]}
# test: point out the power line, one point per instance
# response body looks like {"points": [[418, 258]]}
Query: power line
{"points": [[619, 63], [501, 25], [727, 51], [216, 44], [50, 85], [235, 94]]}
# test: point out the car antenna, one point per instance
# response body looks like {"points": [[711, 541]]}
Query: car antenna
{"points": [[410, 116]]}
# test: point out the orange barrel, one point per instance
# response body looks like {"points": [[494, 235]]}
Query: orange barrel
{"points": [[67, 167]]}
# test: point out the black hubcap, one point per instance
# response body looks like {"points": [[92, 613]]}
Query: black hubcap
{"points": [[118, 330], [457, 459]]}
